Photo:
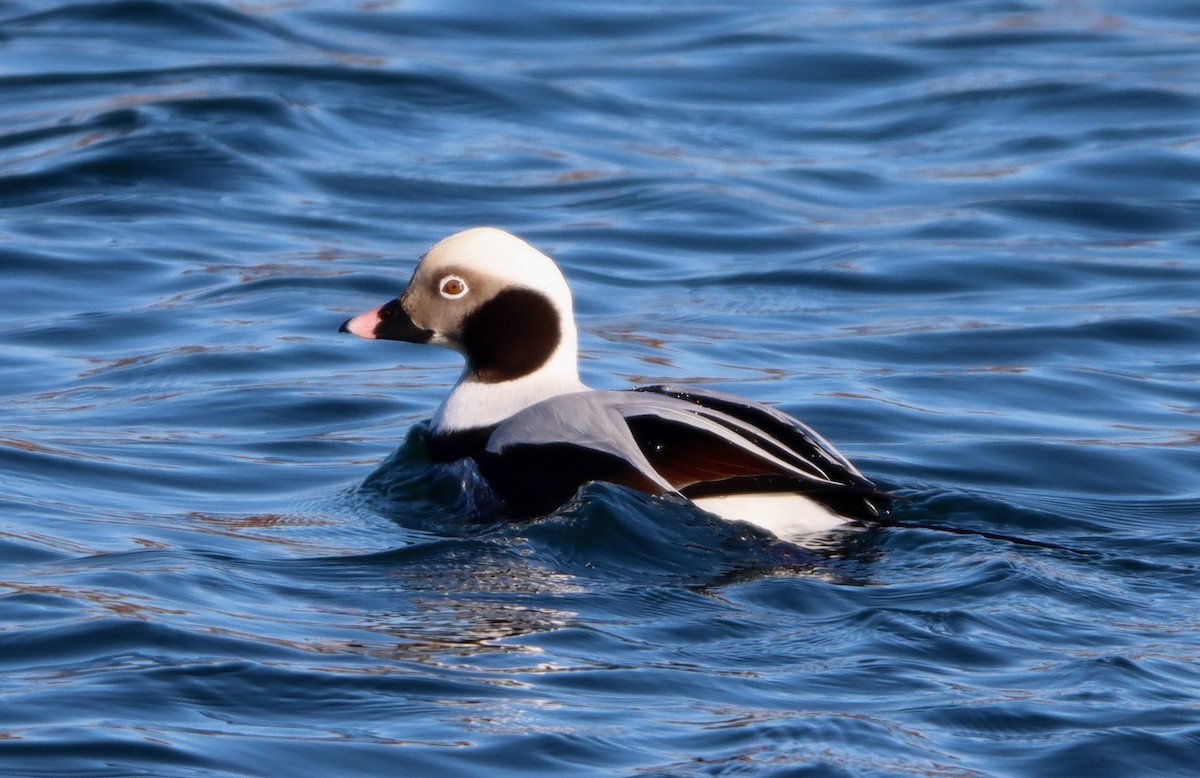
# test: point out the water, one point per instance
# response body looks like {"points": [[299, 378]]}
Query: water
{"points": [[959, 239]]}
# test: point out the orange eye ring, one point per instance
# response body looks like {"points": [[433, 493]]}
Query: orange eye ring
{"points": [[452, 287]]}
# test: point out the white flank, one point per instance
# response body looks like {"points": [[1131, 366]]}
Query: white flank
{"points": [[786, 515]]}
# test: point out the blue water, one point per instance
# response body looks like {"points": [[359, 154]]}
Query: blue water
{"points": [[959, 239]]}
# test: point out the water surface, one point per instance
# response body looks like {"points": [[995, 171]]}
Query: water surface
{"points": [[959, 239]]}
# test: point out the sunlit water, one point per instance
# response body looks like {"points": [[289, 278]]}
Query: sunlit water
{"points": [[959, 239]]}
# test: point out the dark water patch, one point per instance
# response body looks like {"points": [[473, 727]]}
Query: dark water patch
{"points": [[777, 75], [111, 754], [149, 160], [194, 27], [22, 549], [1145, 102], [1166, 173], [37, 140], [124, 639], [1015, 39], [546, 24], [1110, 216], [1113, 752], [199, 20]]}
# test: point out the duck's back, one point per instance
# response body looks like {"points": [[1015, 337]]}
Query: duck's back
{"points": [[739, 459]]}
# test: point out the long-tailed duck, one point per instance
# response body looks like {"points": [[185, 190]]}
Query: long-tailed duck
{"points": [[537, 433]]}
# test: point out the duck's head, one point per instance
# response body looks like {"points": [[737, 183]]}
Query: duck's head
{"points": [[492, 297]]}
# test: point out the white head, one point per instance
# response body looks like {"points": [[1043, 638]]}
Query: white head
{"points": [[504, 306]]}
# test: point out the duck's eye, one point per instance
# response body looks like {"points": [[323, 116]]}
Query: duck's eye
{"points": [[453, 287]]}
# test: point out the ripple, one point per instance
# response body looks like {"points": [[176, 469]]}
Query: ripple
{"points": [[1112, 216], [961, 244]]}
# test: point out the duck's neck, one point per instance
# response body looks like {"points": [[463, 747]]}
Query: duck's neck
{"points": [[475, 404]]}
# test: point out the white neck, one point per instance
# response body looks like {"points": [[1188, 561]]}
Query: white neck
{"points": [[473, 404]]}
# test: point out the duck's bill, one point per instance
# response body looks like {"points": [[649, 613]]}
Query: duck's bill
{"points": [[388, 322]]}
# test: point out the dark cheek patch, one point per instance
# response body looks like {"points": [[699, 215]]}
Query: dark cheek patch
{"points": [[510, 336]]}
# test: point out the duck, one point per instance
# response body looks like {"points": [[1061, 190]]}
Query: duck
{"points": [[537, 433]]}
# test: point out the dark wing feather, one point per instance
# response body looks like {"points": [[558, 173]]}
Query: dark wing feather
{"points": [[801, 444], [685, 455], [699, 464], [662, 440]]}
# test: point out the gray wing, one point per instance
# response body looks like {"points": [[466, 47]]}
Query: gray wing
{"points": [[592, 421], [678, 438]]}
